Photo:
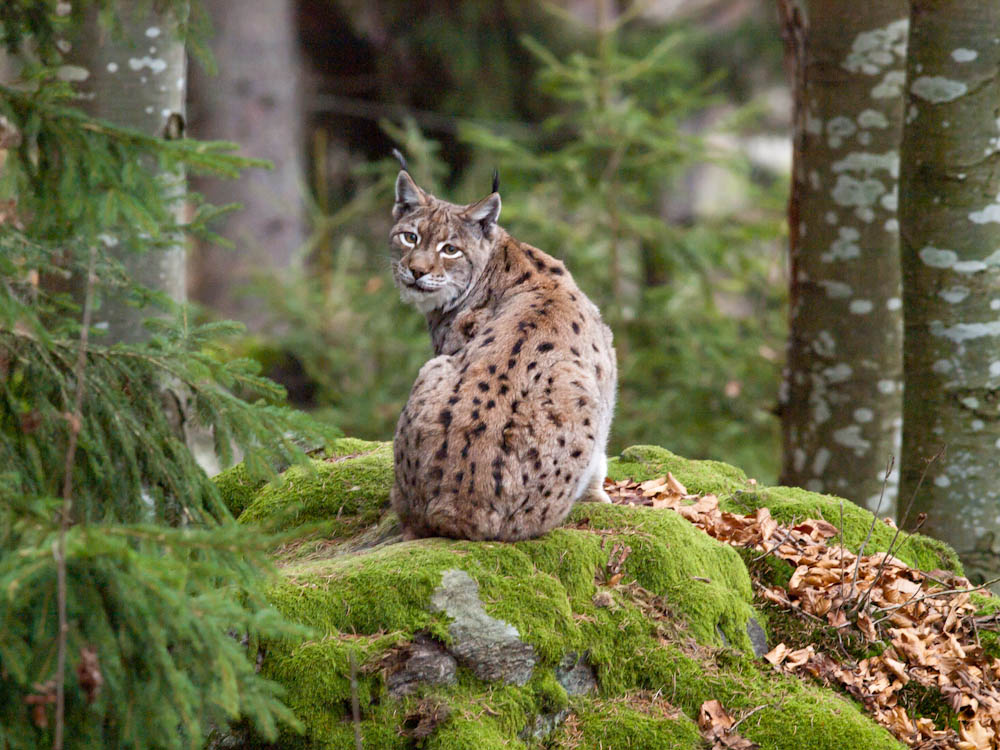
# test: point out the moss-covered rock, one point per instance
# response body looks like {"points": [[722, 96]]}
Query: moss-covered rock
{"points": [[649, 613]]}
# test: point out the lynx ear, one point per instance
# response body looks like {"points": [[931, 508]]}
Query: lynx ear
{"points": [[408, 195], [485, 212]]}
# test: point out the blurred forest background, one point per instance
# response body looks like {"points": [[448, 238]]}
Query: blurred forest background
{"points": [[646, 144]]}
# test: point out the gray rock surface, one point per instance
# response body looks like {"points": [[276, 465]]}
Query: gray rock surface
{"points": [[426, 661], [575, 674], [758, 637], [491, 648]]}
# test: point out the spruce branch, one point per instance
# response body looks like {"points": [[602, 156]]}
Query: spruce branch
{"points": [[75, 419]]}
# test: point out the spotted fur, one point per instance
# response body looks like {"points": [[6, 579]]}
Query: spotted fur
{"points": [[507, 426]]}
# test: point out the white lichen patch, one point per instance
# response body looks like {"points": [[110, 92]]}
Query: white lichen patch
{"points": [[969, 266], [838, 129], [995, 304], [112, 67], [891, 225], [861, 306], [990, 213], [955, 294], [853, 192], [863, 415], [844, 247], [867, 162], [886, 387], [964, 55], [995, 369], [942, 366], [891, 85], [942, 481], [970, 402], [155, 64], [153, 31], [837, 373], [965, 331], [938, 89], [890, 201], [873, 51], [893, 303], [976, 425], [824, 345], [850, 437], [836, 289], [938, 258], [820, 461], [72, 73], [872, 118]]}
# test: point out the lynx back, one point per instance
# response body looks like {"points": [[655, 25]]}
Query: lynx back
{"points": [[507, 426]]}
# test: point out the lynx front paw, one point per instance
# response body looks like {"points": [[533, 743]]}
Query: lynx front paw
{"points": [[594, 495]]}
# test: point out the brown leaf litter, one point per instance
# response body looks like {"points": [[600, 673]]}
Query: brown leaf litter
{"points": [[926, 621]]}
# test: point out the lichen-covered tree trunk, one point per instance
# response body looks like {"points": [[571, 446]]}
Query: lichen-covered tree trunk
{"points": [[950, 219], [139, 81], [841, 397], [255, 100]]}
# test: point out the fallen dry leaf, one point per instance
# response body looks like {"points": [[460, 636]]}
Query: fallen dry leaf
{"points": [[926, 622]]}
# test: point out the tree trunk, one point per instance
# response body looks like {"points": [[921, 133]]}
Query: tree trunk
{"points": [[841, 397], [137, 81], [253, 100], [950, 217]]}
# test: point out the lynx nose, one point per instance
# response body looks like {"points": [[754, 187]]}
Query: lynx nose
{"points": [[419, 267]]}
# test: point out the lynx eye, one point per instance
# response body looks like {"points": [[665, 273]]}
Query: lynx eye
{"points": [[450, 251], [409, 238]]}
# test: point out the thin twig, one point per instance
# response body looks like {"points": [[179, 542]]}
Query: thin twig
{"points": [[769, 551], [841, 591], [746, 716], [355, 707], [892, 609], [75, 422], [888, 554], [871, 528]]}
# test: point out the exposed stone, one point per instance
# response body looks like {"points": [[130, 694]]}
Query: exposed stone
{"points": [[543, 725], [758, 637], [576, 675], [426, 662], [491, 648]]}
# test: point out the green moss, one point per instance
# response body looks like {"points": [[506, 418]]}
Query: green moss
{"points": [[350, 493], [237, 488], [643, 462], [656, 631], [348, 446], [619, 724], [787, 504], [704, 581]]}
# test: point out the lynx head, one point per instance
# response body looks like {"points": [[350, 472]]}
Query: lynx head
{"points": [[439, 249]]}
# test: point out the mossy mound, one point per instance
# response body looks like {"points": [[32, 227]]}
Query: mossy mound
{"points": [[653, 613], [737, 494]]}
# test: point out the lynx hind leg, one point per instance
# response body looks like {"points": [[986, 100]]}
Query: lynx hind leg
{"points": [[593, 491], [397, 501]]}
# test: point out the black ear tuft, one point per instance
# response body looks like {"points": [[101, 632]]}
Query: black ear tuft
{"points": [[408, 195], [496, 181], [401, 159]]}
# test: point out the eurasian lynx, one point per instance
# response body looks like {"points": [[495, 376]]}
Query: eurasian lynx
{"points": [[507, 426]]}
